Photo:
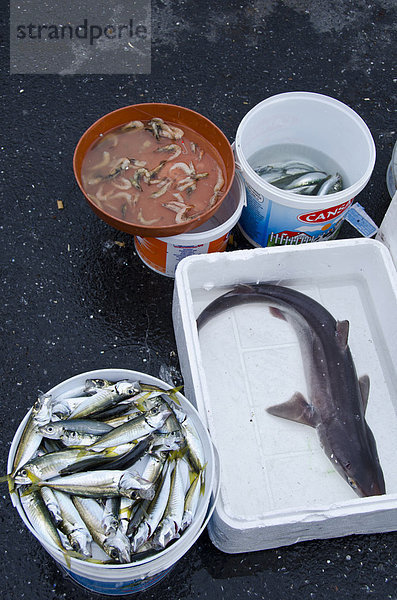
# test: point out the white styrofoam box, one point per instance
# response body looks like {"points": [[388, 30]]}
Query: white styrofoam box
{"points": [[277, 485]]}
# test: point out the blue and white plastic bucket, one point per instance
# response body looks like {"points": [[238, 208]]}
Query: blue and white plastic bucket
{"points": [[123, 579], [274, 216]]}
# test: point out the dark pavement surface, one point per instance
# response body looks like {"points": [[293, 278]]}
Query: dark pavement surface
{"points": [[73, 300]]}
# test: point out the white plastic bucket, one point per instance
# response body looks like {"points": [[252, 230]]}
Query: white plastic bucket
{"points": [[164, 254], [274, 216], [134, 577]]}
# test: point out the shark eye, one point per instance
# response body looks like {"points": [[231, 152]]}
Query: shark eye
{"points": [[347, 465]]}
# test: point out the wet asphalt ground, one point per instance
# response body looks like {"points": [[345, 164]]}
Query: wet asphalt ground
{"points": [[75, 296]]}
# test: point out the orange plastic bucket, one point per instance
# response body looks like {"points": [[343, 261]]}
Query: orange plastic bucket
{"points": [[171, 113]]}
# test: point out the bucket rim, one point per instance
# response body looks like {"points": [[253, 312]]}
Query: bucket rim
{"points": [[288, 198]]}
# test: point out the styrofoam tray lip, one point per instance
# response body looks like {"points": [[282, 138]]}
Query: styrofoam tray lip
{"points": [[356, 517], [245, 254], [357, 505]]}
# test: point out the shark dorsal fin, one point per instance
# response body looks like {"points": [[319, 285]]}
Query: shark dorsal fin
{"points": [[296, 409], [364, 388], [342, 332], [276, 312]]}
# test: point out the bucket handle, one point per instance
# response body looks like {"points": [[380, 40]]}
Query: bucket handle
{"points": [[238, 166]]}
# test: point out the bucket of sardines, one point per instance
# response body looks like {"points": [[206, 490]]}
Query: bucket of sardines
{"points": [[113, 472], [154, 169]]}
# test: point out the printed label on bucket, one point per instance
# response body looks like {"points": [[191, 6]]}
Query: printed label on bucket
{"points": [[269, 224], [164, 257], [118, 588]]}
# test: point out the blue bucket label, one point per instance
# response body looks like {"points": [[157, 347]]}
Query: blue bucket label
{"points": [[267, 223], [118, 588]]}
